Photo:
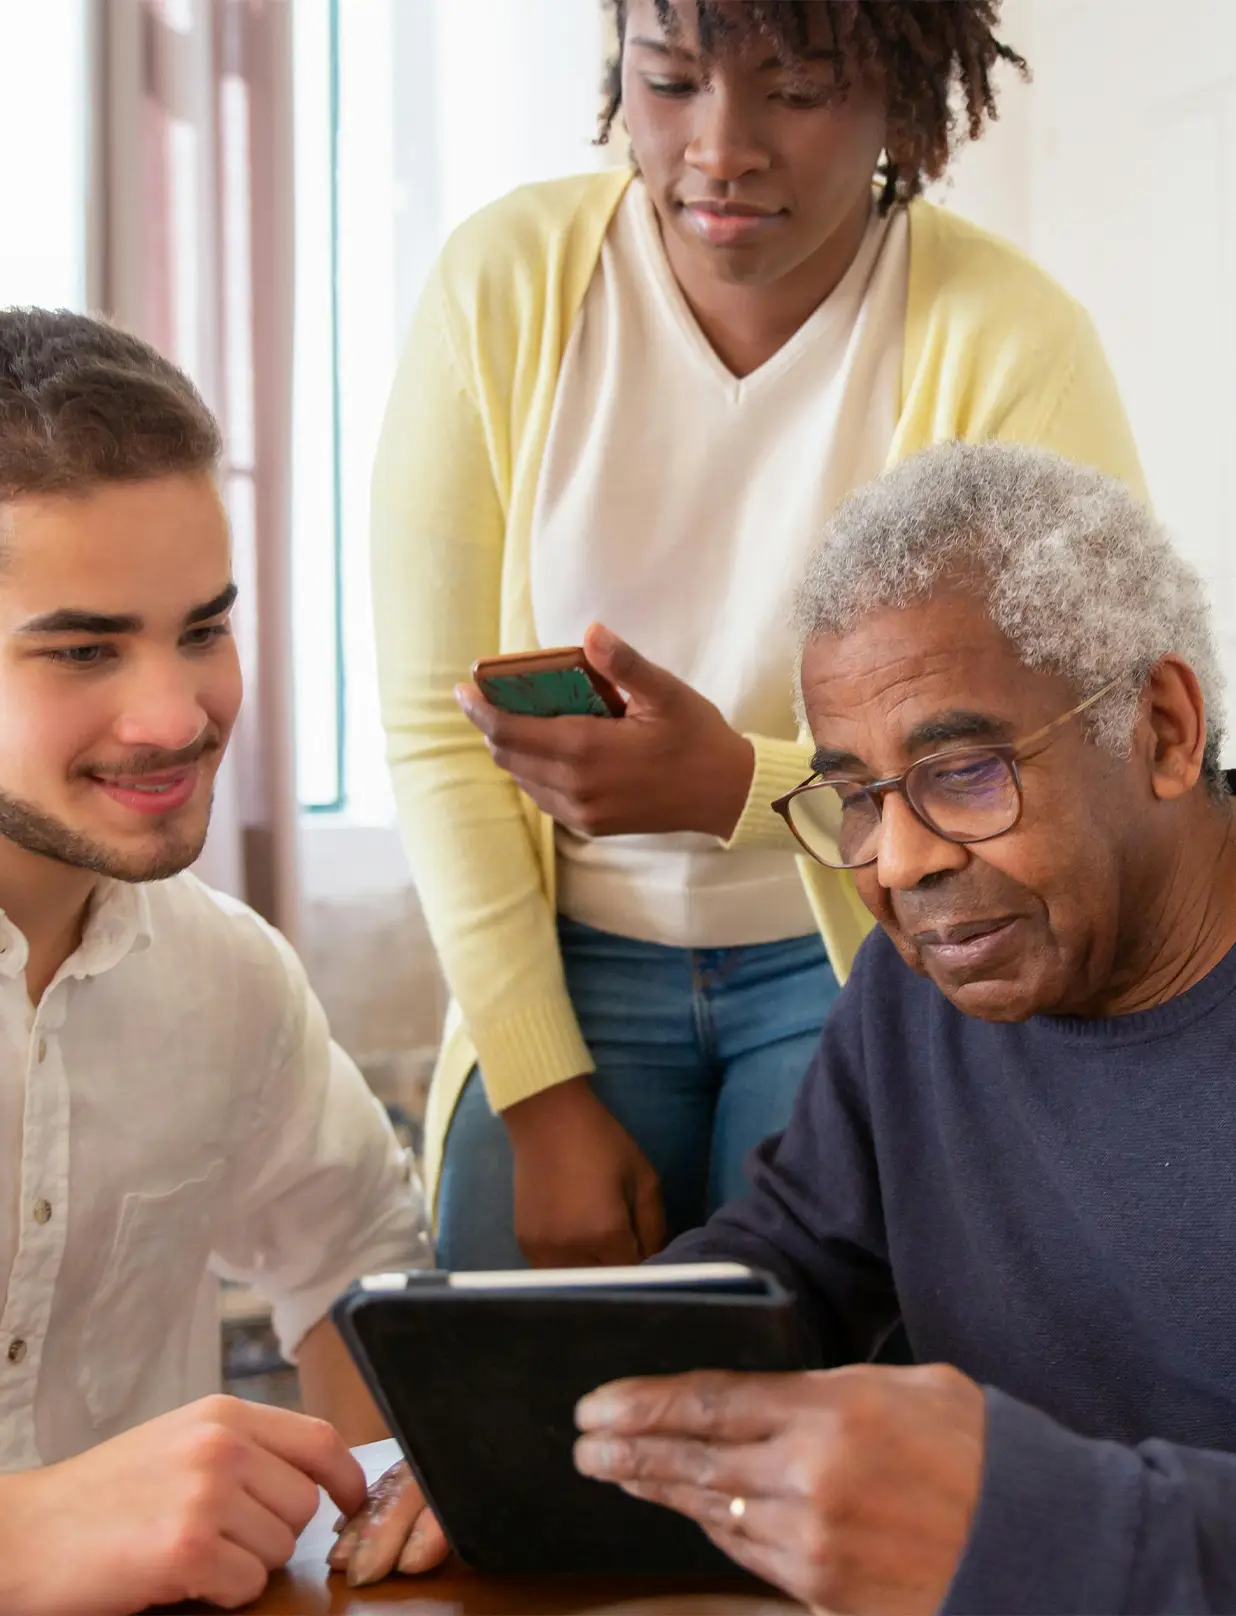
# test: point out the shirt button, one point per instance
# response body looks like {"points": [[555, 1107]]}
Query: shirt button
{"points": [[42, 1211], [17, 1351], [42, 1050]]}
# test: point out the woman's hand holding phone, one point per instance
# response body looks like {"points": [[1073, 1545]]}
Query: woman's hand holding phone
{"points": [[584, 1192], [671, 763]]}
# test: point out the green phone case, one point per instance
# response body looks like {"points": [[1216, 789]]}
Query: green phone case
{"points": [[558, 694]]}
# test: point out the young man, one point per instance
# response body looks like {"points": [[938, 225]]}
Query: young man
{"points": [[1017, 1134], [171, 1105]]}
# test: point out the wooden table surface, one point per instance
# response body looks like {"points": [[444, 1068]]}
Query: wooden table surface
{"points": [[305, 1588]]}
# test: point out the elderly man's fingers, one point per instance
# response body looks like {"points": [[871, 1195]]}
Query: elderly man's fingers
{"points": [[724, 1469], [373, 1541], [781, 1542], [710, 1404], [764, 1560], [760, 1519], [341, 1550], [426, 1546]]}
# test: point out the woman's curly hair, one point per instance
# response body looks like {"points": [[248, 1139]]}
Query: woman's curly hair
{"points": [[919, 51]]}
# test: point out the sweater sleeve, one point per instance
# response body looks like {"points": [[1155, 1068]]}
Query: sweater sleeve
{"points": [[1080, 414], [437, 547], [1145, 1529], [996, 349], [779, 767]]}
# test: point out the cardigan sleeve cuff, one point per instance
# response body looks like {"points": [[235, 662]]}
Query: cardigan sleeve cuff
{"points": [[534, 1049], [779, 767]]}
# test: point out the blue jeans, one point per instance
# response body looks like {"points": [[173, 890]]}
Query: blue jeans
{"points": [[700, 1053]]}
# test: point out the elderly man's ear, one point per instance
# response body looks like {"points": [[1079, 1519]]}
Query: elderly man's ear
{"points": [[1173, 727]]}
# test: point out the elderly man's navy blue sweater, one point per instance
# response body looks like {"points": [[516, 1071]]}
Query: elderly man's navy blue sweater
{"points": [[1051, 1207]]}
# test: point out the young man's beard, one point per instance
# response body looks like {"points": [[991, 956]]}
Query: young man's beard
{"points": [[38, 832]]}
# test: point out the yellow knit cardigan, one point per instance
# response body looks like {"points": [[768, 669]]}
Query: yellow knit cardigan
{"points": [[993, 349]]}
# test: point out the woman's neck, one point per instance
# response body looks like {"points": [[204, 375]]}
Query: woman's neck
{"points": [[747, 325]]}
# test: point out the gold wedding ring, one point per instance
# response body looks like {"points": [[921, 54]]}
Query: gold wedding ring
{"points": [[738, 1508]]}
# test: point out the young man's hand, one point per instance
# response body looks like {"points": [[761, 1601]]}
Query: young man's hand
{"points": [[199, 1504]]}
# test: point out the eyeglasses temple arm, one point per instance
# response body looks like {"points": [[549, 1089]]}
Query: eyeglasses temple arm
{"points": [[1073, 712]]}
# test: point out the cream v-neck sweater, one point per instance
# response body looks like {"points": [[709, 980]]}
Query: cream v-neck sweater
{"points": [[677, 504]]}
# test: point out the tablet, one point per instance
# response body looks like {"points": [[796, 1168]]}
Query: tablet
{"points": [[478, 1375]]}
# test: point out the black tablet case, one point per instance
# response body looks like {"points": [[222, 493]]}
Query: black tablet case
{"points": [[480, 1389]]}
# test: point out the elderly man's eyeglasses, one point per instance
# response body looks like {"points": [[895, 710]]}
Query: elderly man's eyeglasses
{"points": [[967, 794]]}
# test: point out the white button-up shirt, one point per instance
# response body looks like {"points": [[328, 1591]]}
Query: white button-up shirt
{"points": [[174, 1110]]}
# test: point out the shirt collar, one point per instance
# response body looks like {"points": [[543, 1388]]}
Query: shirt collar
{"points": [[13, 950], [118, 923]]}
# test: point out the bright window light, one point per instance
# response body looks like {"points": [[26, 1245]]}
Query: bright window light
{"points": [[43, 242], [410, 114]]}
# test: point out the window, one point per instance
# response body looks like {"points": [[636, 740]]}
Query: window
{"points": [[408, 118], [43, 244], [316, 517]]}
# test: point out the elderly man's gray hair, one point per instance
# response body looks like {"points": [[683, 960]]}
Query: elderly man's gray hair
{"points": [[1075, 571]]}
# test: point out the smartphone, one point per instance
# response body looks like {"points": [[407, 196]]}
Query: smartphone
{"points": [[558, 683]]}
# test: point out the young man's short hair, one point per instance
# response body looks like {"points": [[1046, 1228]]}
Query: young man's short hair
{"points": [[84, 403]]}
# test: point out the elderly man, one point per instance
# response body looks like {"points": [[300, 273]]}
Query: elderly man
{"points": [[1018, 1133]]}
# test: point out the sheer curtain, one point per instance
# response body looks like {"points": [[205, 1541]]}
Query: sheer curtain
{"points": [[191, 246]]}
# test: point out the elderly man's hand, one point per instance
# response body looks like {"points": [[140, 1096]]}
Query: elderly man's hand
{"points": [[393, 1532], [672, 763], [857, 1486]]}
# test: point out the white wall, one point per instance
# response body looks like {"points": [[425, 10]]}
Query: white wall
{"points": [[990, 181], [1117, 170], [489, 95], [518, 92]]}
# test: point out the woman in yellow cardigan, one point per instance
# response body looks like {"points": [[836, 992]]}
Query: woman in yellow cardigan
{"points": [[627, 404]]}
